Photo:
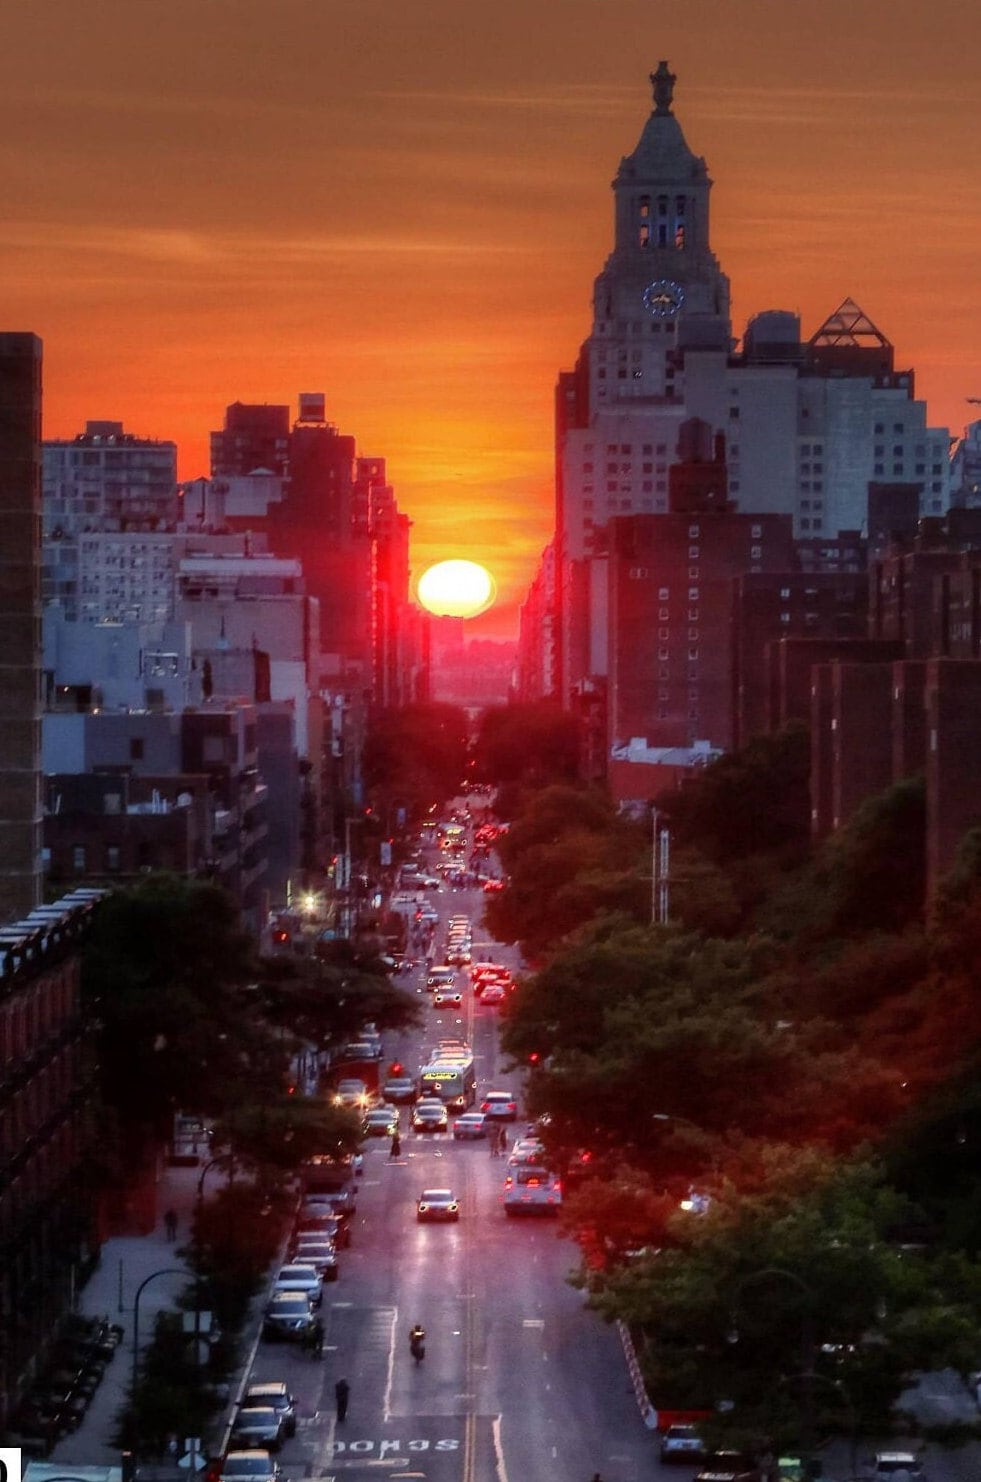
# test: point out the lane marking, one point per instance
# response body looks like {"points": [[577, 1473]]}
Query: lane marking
{"points": [[390, 1367]]}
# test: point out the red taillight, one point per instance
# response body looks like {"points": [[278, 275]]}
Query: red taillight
{"points": [[557, 1186]]}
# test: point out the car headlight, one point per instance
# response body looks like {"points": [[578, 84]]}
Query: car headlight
{"points": [[423, 1208]]}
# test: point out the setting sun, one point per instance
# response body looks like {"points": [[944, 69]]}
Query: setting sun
{"points": [[456, 589]]}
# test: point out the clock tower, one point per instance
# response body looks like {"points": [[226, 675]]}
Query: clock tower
{"points": [[656, 356], [661, 272]]}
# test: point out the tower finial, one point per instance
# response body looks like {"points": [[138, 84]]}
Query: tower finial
{"points": [[663, 81]]}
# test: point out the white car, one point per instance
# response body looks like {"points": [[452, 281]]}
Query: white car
{"points": [[429, 1116], [351, 1093], [493, 993], [301, 1278], [447, 998], [469, 1126], [437, 1204], [896, 1464], [531, 1189], [255, 1465], [381, 1121], [681, 1443], [320, 1254], [499, 1106]]}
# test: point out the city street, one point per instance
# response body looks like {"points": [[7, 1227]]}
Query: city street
{"points": [[519, 1381]]}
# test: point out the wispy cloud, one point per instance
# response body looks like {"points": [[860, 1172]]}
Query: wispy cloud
{"points": [[165, 245]]}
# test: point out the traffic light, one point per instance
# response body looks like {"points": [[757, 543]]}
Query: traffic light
{"points": [[280, 936], [534, 1058]]}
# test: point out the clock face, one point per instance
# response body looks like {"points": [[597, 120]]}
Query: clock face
{"points": [[663, 298]]}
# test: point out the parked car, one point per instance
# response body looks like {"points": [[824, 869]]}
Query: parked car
{"points": [[890, 1463], [342, 1202], [301, 1277], [681, 1443], [320, 1254], [249, 1466], [275, 1393], [325, 1225], [727, 1466], [258, 1425], [288, 1317]]}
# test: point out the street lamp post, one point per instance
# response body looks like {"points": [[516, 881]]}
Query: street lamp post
{"points": [[807, 1375], [165, 1271], [660, 869]]}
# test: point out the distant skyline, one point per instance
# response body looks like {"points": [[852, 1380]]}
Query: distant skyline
{"points": [[405, 205]]}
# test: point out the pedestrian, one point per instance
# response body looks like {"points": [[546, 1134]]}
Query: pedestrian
{"points": [[396, 1147], [317, 1342], [170, 1224], [342, 1392]]}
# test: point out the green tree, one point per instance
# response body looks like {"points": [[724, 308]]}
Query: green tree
{"points": [[533, 744], [873, 868], [415, 756], [325, 1002], [752, 801], [802, 1270], [167, 967], [569, 857], [275, 1138]]}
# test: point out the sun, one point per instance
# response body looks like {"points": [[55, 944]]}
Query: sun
{"points": [[456, 589]]}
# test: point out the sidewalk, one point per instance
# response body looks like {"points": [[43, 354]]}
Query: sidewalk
{"points": [[126, 1261]]}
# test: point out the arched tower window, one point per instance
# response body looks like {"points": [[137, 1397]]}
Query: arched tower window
{"points": [[662, 221], [644, 221], [680, 226]]}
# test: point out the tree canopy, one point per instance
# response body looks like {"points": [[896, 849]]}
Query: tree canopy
{"points": [[534, 744], [415, 755]]}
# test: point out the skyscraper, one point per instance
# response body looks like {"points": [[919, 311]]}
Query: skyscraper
{"points": [[807, 424]]}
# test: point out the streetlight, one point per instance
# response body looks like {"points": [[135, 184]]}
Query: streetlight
{"points": [[165, 1271], [806, 1374], [836, 1384], [660, 869], [221, 1159]]}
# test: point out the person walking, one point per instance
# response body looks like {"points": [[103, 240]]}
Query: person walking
{"points": [[342, 1393], [170, 1224], [396, 1147], [317, 1338]]}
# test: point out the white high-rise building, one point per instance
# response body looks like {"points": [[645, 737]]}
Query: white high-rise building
{"points": [[808, 424]]}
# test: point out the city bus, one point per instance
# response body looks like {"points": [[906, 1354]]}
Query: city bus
{"points": [[452, 1078]]}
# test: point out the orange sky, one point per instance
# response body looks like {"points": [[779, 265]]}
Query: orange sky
{"points": [[404, 203]]}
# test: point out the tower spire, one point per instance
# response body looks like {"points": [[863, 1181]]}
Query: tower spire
{"points": [[663, 81]]}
